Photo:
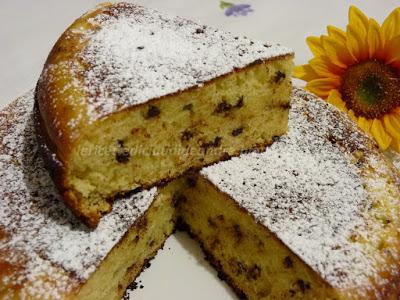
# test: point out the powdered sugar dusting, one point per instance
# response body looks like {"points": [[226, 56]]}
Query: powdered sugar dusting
{"points": [[307, 189], [394, 157], [138, 54], [396, 162], [40, 233]]}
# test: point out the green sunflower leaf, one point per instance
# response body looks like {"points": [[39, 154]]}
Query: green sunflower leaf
{"points": [[224, 4]]}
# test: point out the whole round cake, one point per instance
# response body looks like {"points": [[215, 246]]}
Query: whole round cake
{"points": [[314, 216]]}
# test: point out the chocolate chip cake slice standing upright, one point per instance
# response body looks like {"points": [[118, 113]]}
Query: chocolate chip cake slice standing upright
{"points": [[130, 97]]}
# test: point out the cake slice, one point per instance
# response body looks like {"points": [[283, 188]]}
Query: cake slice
{"points": [[130, 98], [45, 252], [315, 216]]}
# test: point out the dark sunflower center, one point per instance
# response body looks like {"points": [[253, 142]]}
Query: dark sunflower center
{"points": [[371, 89]]}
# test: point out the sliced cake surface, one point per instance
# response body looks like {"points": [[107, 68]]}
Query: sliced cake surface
{"points": [[324, 192], [315, 216], [131, 97], [45, 252]]}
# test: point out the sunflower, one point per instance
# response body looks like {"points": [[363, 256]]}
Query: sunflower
{"points": [[358, 70]]}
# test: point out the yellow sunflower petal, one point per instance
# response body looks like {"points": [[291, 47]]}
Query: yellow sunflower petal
{"points": [[392, 125], [393, 52], [395, 145], [322, 87], [356, 16], [391, 25], [337, 34], [364, 124], [374, 38], [352, 115], [323, 67], [353, 44], [357, 34], [305, 72], [337, 52], [315, 45], [335, 98], [381, 136]]}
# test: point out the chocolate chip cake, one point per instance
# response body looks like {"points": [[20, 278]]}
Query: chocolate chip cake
{"points": [[130, 97], [314, 216]]}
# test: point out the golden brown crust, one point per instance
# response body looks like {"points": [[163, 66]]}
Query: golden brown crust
{"points": [[57, 171]]}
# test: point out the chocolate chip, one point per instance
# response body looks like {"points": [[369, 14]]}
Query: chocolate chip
{"points": [[332, 139], [217, 141], [304, 286], [186, 135], [240, 102], [199, 30], [122, 156], [237, 131], [220, 218], [276, 138], [153, 111], [140, 47], [214, 144], [254, 272], [132, 286], [287, 262], [238, 233], [177, 198], [120, 143], [212, 223], [240, 268], [188, 106], [223, 107], [191, 181], [279, 76]]}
